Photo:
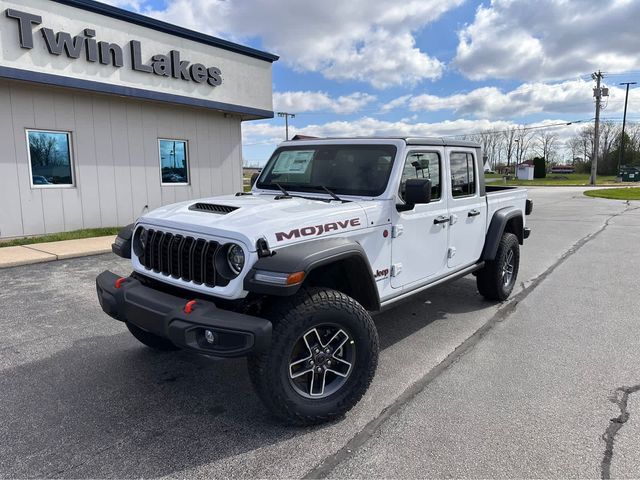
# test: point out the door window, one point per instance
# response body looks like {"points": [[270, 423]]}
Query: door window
{"points": [[463, 178], [422, 165]]}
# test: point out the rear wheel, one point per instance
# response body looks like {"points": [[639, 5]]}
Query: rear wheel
{"points": [[322, 358], [498, 277], [151, 340]]}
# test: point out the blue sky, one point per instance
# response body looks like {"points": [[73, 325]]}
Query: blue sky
{"points": [[425, 67]]}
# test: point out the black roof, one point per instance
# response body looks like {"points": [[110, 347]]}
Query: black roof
{"points": [[158, 25]]}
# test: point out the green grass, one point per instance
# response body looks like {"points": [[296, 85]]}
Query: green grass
{"points": [[629, 193], [565, 179], [56, 237]]}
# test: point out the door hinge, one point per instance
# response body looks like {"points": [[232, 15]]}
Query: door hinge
{"points": [[396, 231], [396, 268], [453, 219], [451, 253]]}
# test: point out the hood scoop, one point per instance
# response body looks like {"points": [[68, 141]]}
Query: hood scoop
{"points": [[212, 208]]}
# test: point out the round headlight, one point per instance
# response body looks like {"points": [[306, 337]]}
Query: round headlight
{"points": [[235, 258], [140, 239]]}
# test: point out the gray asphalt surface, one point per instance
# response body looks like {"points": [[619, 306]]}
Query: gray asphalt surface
{"points": [[79, 397]]}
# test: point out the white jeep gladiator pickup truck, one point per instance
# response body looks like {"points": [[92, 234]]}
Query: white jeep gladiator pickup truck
{"points": [[289, 274]]}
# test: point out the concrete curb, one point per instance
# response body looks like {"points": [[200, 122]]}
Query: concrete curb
{"points": [[52, 251]]}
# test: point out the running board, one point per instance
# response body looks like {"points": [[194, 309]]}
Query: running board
{"points": [[439, 281]]}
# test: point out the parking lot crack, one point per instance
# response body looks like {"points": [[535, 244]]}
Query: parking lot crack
{"points": [[621, 398]]}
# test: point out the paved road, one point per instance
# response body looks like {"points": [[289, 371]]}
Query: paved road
{"points": [[79, 397]]}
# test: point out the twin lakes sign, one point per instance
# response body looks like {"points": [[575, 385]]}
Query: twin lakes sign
{"points": [[106, 53], [90, 46]]}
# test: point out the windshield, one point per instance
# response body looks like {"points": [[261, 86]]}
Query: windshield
{"points": [[361, 170]]}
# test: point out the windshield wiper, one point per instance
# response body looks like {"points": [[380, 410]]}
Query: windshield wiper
{"points": [[284, 192], [322, 187]]}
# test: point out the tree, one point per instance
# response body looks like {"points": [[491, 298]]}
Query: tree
{"points": [[539, 167], [546, 144], [508, 139], [42, 149]]}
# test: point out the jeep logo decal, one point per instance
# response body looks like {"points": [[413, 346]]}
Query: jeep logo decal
{"points": [[317, 229]]}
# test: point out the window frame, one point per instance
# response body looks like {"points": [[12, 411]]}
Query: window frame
{"points": [[188, 162], [440, 169], [69, 134], [475, 175]]}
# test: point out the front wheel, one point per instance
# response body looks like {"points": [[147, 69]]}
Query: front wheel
{"points": [[322, 359], [498, 277]]}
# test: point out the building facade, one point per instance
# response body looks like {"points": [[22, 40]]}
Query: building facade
{"points": [[105, 113]]}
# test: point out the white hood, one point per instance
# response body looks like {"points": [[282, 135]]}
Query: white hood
{"points": [[280, 222]]}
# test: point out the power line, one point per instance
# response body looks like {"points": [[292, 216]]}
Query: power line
{"points": [[521, 128]]}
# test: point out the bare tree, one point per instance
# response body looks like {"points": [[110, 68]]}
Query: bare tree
{"points": [[523, 143], [546, 144], [43, 150], [508, 138]]}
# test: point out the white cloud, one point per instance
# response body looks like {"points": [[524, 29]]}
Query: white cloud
{"points": [[371, 41], [268, 132], [570, 97], [297, 102], [549, 39]]}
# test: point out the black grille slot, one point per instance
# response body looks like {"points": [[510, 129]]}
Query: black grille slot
{"points": [[186, 258], [198, 263], [212, 208], [174, 256]]}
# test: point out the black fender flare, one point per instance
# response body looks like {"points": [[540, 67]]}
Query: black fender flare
{"points": [[309, 256], [496, 228], [122, 244]]}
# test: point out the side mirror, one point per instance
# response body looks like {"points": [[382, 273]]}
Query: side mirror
{"points": [[417, 190]]}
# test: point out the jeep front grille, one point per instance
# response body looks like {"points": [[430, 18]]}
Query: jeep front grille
{"points": [[187, 258]]}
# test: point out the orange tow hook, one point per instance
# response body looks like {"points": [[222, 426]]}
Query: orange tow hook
{"points": [[188, 308], [120, 281]]}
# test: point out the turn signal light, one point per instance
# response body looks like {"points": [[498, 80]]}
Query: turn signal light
{"points": [[294, 278]]}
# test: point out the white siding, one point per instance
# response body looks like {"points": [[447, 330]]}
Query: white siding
{"points": [[115, 154]]}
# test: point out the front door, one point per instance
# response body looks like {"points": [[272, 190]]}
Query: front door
{"points": [[419, 246], [468, 210]]}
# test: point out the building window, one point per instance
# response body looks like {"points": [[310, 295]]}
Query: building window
{"points": [[50, 158], [463, 178], [174, 163]]}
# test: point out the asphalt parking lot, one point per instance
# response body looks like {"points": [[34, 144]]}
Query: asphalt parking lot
{"points": [[80, 397]]}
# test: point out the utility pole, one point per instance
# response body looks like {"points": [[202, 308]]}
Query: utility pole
{"points": [[624, 121], [597, 93], [286, 122]]}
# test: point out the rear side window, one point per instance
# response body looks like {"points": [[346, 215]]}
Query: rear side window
{"points": [[463, 177]]}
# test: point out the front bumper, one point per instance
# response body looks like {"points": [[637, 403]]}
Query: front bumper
{"points": [[163, 314]]}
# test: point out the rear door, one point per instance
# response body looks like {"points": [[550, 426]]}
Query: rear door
{"points": [[467, 208], [419, 246]]}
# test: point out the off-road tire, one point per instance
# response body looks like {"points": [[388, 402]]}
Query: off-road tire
{"points": [[490, 279], [151, 340], [292, 317]]}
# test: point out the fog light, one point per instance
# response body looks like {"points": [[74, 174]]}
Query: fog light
{"points": [[209, 336]]}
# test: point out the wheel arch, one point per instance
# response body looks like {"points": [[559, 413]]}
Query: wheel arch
{"points": [[508, 219], [340, 264]]}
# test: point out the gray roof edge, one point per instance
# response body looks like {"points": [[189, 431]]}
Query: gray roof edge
{"points": [[446, 142]]}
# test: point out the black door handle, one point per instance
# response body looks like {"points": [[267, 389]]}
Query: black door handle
{"points": [[473, 213], [441, 219]]}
